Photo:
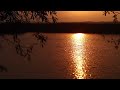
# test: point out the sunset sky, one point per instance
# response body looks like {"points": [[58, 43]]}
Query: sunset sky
{"points": [[82, 16]]}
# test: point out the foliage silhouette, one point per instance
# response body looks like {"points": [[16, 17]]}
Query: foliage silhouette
{"points": [[26, 16], [22, 49], [112, 40], [115, 20], [115, 15]]}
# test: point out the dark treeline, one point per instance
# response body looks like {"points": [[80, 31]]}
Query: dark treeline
{"points": [[62, 28]]}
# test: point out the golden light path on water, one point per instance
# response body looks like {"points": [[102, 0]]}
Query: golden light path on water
{"points": [[78, 41]]}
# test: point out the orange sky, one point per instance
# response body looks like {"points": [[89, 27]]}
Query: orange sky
{"points": [[81, 16]]}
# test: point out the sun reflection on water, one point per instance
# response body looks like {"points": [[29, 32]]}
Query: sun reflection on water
{"points": [[78, 40]]}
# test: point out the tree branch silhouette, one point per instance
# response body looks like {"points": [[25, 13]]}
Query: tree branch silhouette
{"points": [[26, 16], [22, 49], [114, 13], [115, 20], [112, 40]]}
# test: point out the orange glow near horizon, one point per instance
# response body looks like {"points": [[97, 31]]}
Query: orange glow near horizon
{"points": [[83, 16]]}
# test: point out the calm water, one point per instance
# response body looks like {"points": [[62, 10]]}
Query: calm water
{"points": [[60, 56]]}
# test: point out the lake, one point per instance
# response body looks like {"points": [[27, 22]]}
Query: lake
{"points": [[35, 55]]}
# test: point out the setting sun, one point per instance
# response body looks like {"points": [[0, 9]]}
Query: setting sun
{"points": [[78, 35]]}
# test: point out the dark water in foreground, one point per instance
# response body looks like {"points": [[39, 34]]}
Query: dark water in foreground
{"points": [[60, 56]]}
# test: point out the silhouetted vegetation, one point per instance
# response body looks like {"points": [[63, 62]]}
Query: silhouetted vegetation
{"points": [[22, 49], [115, 20], [27, 16], [115, 15], [114, 41]]}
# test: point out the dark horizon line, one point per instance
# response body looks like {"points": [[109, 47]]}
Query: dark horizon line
{"points": [[107, 28]]}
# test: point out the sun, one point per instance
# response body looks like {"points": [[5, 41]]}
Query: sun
{"points": [[79, 35]]}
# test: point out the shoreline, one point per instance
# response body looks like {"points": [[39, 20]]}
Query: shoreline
{"points": [[61, 28]]}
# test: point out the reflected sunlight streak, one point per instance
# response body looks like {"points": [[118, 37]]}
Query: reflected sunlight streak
{"points": [[78, 54]]}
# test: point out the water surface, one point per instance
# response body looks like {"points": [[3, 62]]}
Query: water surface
{"points": [[60, 56]]}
